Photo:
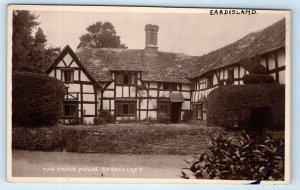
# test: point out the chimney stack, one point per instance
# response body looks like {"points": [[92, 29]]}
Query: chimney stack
{"points": [[151, 47]]}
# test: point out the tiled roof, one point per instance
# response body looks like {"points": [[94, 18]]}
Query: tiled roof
{"points": [[169, 67], [174, 67], [256, 43]]}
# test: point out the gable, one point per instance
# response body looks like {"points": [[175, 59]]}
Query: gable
{"points": [[68, 59]]}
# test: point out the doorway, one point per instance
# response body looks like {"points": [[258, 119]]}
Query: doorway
{"points": [[175, 112]]}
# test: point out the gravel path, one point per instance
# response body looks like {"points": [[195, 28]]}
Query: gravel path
{"points": [[67, 164]]}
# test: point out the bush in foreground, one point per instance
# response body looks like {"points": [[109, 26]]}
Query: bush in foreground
{"points": [[238, 159], [37, 99]]}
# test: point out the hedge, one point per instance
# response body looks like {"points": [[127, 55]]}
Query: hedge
{"points": [[37, 100], [258, 79], [231, 106]]}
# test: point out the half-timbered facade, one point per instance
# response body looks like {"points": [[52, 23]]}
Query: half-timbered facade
{"points": [[137, 85]]}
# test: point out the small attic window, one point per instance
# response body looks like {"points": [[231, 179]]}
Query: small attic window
{"points": [[169, 86], [67, 75], [126, 79], [209, 81]]}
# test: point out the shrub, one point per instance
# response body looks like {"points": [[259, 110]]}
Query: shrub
{"points": [[163, 117], [104, 117], [253, 66], [232, 106], [37, 99], [245, 160], [187, 116], [258, 79]]}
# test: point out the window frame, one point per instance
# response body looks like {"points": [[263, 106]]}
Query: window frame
{"points": [[169, 86], [198, 108], [209, 81], [64, 74], [230, 78], [164, 103], [75, 109], [131, 80], [131, 111]]}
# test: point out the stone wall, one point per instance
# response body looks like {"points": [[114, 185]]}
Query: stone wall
{"points": [[121, 139]]}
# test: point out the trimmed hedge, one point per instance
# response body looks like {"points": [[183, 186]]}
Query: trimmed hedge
{"points": [[258, 79], [253, 66], [231, 106], [37, 99]]}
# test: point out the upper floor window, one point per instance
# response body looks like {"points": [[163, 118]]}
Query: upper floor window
{"points": [[210, 81], [126, 79], [169, 86], [67, 75]]}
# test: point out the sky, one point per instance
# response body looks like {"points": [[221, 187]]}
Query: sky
{"points": [[188, 33]]}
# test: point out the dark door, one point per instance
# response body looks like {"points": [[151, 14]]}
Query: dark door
{"points": [[175, 112], [259, 119]]}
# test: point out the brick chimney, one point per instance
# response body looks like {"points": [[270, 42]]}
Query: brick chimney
{"points": [[151, 47]]}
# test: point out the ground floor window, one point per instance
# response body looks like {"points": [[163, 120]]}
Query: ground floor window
{"points": [[125, 108], [164, 107], [197, 111], [70, 108]]}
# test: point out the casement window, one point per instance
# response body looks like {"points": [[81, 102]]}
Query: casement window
{"points": [[125, 108], [197, 111], [164, 107], [230, 78], [70, 108], [169, 86], [209, 81], [126, 79], [67, 75]]}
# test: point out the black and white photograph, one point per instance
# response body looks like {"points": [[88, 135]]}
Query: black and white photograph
{"points": [[116, 94]]}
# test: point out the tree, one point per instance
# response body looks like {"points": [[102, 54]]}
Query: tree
{"points": [[23, 23], [100, 35], [36, 56]]}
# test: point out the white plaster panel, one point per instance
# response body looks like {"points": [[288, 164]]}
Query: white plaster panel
{"points": [[153, 93], [282, 77], [143, 103], [74, 87], [108, 94], [61, 64], [89, 120], [186, 95], [271, 62], [111, 86], [143, 115], [242, 72], [118, 91], [153, 84], [186, 105], [152, 104], [89, 109], [152, 114], [83, 76], [58, 74], [88, 97], [281, 58], [235, 72], [186, 87], [68, 59], [132, 91], [106, 104], [263, 62], [51, 74], [112, 104], [87, 88], [126, 91], [76, 74], [164, 94]]}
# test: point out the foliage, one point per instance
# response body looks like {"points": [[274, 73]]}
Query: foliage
{"points": [[104, 117], [100, 35], [37, 99], [187, 116], [23, 24], [253, 66], [163, 117], [258, 79], [231, 106], [244, 159]]}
